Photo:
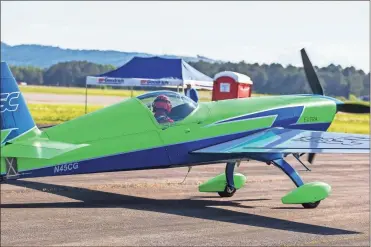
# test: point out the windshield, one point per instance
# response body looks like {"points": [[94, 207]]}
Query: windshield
{"points": [[179, 108]]}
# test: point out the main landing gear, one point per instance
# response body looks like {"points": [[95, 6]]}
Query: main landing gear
{"points": [[309, 195], [229, 188], [225, 184]]}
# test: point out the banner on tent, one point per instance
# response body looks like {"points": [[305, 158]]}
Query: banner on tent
{"points": [[110, 81], [140, 82]]}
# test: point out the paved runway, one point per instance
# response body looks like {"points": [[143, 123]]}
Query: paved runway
{"points": [[150, 208], [42, 98]]}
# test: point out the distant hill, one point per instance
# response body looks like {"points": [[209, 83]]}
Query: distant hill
{"points": [[45, 56]]}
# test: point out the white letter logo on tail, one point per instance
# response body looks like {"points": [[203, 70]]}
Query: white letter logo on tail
{"points": [[6, 101]]}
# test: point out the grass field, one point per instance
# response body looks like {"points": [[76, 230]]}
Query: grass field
{"points": [[53, 114], [351, 123]]}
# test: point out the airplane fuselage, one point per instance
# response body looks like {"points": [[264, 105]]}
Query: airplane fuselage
{"points": [[126, 136]]}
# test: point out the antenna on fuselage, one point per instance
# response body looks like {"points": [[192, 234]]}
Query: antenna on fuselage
{"points": [[189, 169]]}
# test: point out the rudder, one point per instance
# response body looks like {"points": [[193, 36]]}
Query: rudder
{"points": [[16, 119]]}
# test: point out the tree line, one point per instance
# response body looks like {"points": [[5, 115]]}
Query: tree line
{"points": [[66, 74], [267, 79]]}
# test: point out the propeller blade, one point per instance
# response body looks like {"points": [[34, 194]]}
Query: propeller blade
{"points": [[353, 108], [310, 73], [311, 157]]}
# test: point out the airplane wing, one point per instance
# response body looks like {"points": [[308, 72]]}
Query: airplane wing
{"points": [[38, 149], [281, 140]]}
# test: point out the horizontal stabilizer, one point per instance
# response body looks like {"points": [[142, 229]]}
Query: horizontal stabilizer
{"points": [[38, 149], [280, 140]]}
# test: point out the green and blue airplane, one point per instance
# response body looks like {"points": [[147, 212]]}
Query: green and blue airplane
{"points": [[126, 136]]}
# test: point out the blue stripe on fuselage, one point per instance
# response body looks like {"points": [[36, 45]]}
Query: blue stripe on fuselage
{"points": [[155, 157], [285, 116]]}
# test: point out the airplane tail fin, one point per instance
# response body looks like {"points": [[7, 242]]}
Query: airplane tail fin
{"points": [[16, 119]]}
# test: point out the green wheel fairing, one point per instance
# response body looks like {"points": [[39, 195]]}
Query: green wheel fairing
{"points": [[307, 193], [218, 183]]}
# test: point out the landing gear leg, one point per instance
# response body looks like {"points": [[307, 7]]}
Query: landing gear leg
{"points": [[295, 177], [229, 188]]}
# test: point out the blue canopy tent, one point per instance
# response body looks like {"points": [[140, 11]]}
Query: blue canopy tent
{"points": [[152, 72]]}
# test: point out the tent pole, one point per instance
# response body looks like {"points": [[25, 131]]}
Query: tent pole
{"points": [[86, 97]]}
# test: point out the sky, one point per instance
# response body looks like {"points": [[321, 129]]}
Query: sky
{"points": [[262, 32]]}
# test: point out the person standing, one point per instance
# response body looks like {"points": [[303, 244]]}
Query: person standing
{"points": [[191, 92]]}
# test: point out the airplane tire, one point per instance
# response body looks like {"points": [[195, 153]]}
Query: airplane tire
{"points": [[311, 204], [227, 193]]}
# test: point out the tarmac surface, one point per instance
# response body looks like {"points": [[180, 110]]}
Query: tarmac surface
{"points": [[42, 98], [152, 208]]}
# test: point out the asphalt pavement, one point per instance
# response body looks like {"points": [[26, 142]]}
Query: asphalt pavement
{"points": [[152, 208]]}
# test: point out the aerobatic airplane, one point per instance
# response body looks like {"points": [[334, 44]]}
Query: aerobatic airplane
{"points": [[164, 129]]}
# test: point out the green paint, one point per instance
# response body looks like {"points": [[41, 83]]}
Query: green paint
{"points": [[4, 134], [33, 133], [29, 135], [218, 183], [2, 164], [320, 111], [38, 149], [129, 126], [307, 193]]}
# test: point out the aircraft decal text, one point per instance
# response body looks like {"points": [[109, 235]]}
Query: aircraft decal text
{"points": [[8, 101]]}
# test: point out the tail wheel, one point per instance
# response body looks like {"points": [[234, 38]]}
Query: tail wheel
{"points": [[311, 204], [228, 192]]}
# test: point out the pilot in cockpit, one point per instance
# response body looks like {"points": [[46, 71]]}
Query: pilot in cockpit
{"points": [[161, 107]]}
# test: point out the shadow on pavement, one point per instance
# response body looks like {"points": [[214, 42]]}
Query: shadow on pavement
{"points": [[202, 209]]}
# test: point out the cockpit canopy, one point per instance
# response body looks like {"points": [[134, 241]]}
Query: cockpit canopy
{"points": [[182, 106]]}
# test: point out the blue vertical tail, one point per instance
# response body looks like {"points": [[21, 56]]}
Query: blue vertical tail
{"points": [[16, 119]]}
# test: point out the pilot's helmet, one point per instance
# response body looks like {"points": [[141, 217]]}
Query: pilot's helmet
{"points": [[162, 102]]}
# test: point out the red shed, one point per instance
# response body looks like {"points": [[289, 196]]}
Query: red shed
{"points": [[231, 85]]}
